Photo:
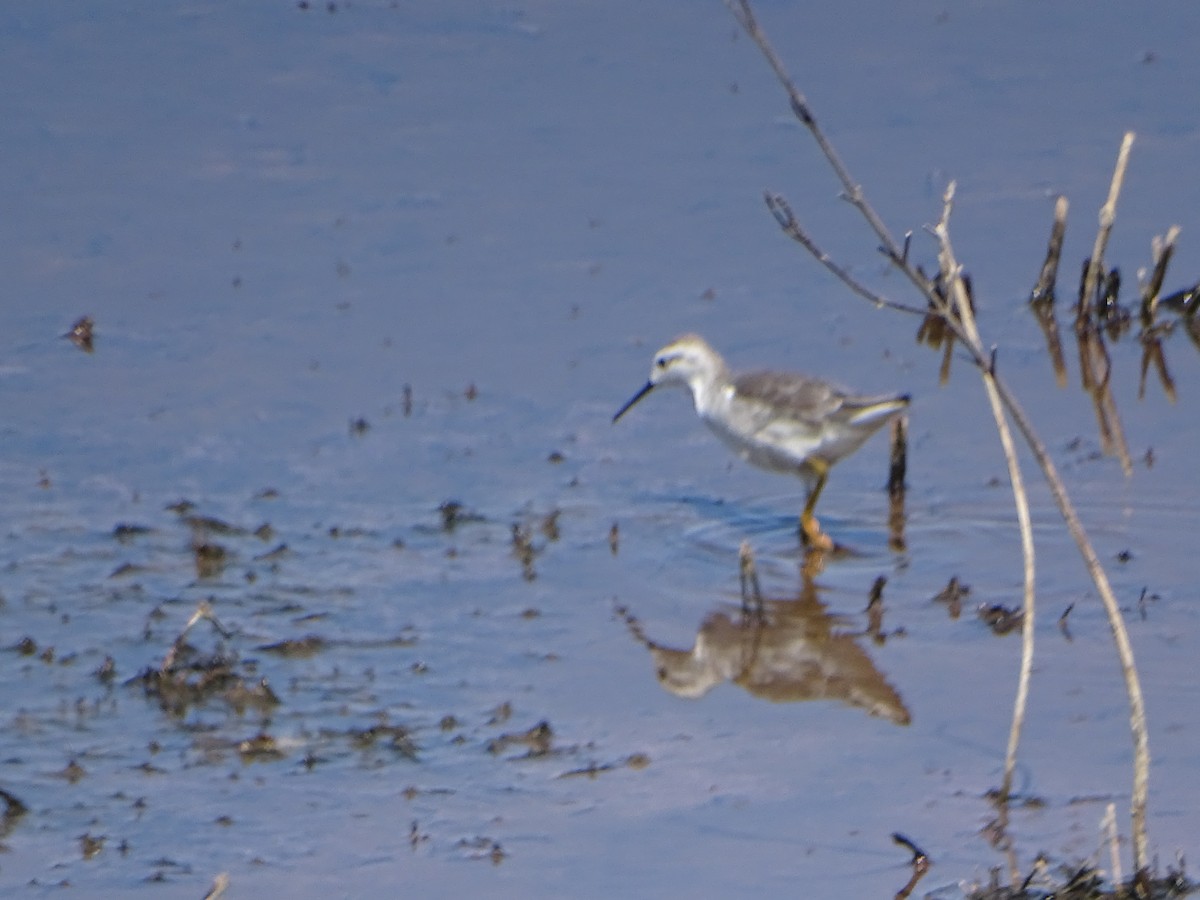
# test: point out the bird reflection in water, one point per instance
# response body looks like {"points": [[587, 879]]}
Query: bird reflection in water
{"points": [[784, 651]]}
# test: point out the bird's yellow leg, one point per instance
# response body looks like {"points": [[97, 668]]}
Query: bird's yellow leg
{"points": [[810, 529]]}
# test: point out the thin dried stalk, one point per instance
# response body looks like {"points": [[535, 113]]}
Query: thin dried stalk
{"points": [[957, 290], [1108, 215], [1041, 299], [1116, 621], [782, 211], [1095, 364], [1095, 369], [1152, 332]]}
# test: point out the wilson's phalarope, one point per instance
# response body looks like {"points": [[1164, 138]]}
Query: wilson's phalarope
{"points": [[780, 421]]}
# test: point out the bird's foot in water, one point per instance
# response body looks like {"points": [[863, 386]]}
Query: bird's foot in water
{"points": [[813, 538]]}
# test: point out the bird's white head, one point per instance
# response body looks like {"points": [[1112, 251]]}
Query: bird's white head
{"points": [[687, 360]]}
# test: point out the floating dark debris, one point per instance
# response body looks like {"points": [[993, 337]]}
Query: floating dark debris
{"points": [[14, 810], [125, 533], [953, 595], [416, 837], [91, 845], [394, 737], [501, 714], [592, 770], [301, 648], [242, 696], [26, 646], [82, 334], [189, 677], [210, 559], [1001, 619], [454, 514], [524, 551], [260, 748], [539, 739], [636, 761], [213, 525], [124, 570], [277, 553], [72, 773]]}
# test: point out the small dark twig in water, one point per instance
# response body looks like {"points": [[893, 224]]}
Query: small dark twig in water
{"points": [[921, 864], [897, 468], [875, 611], [1062, 622], [752, 599], [1041, 299]]}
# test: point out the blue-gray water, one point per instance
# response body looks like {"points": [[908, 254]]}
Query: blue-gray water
{"points": [[281, 217]]}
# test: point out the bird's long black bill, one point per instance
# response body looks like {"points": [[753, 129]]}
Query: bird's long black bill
{"points": [[647, 388]]}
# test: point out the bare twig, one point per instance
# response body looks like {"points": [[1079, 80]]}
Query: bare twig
{"points": [[1041, 299], [1153, 332], [1108, 215], [897, 468], [782, 211], [752, 598], [219, 886], [1095, 366], [951, 274], [1116, 621], [920, 865], [851, 191], [1108, 834]]}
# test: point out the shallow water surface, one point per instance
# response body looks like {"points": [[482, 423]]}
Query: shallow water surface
{"points": [[325, 569]]}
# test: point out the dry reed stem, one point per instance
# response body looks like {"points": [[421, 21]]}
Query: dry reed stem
{"points": [[1108, 215], [957, 292], [1106, 408], [1041, 298], [742, 11], [1152, 333]]}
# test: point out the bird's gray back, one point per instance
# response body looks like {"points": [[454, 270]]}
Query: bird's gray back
{"points": [[790, 395]]}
